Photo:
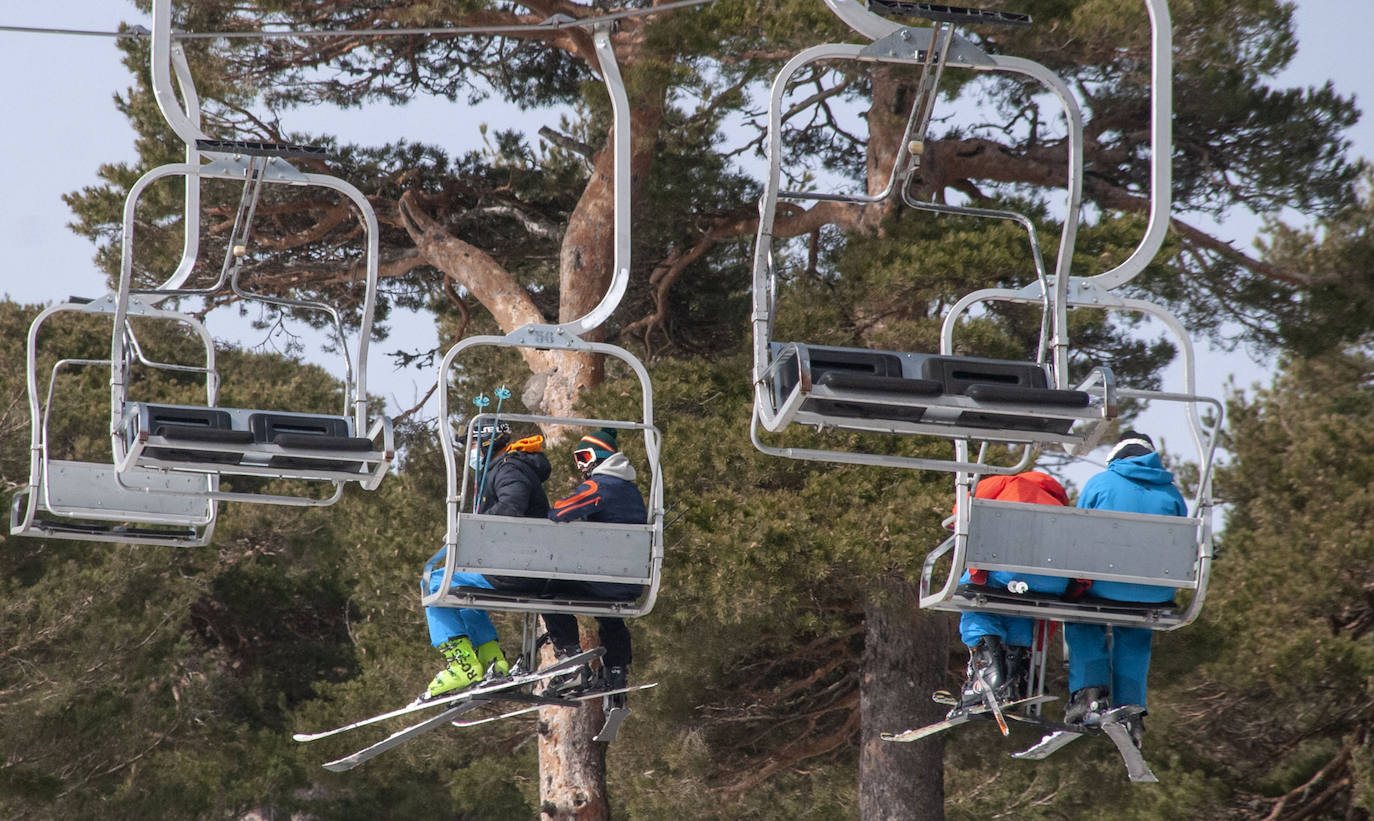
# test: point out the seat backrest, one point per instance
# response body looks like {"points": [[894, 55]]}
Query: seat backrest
{"points": [[1087, 544]]}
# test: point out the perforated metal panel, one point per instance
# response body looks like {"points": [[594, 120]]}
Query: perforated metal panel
{"points": [[90, 489], [590, 551], [1090, 544]]}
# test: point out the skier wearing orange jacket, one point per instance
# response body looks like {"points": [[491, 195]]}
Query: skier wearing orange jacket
{"points": [[999, 645]]}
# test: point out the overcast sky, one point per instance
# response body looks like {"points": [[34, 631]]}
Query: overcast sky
{"points": [[63, 125]]}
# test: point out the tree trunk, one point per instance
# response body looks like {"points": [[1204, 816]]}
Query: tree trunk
{"points": [[904, 659], [572, 767]]}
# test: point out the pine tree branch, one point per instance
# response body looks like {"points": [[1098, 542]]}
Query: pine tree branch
{"points": [[797, 752]]}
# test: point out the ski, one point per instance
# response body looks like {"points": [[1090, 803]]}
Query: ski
{"points": [[1113, 724], [397, 738], [554, 701], [1116, 729], [957, 719], [470, 694], [1049, 745]]}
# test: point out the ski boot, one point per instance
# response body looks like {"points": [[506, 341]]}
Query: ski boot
{"points": [[575, 680], [462, 671], [1018, 672], [1086, 706], [615, 678], [987, 665], [493, 661]]}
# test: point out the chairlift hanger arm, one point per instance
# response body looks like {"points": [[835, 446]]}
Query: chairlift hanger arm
{"points": [[875, 27], [902, 44]]}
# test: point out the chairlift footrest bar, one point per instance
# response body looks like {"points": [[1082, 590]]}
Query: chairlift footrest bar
{"points": [[928, 394], [481, 598], [262, 149], [973, 598], [132, 535], [948, 14], [1049, 397]]}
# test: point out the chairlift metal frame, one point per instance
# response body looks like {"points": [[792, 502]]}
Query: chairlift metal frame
{"points": [[897, 44], [535, 548], [315, 447]]}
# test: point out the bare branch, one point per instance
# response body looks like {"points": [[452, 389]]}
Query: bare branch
{"points": [[566, 142]]}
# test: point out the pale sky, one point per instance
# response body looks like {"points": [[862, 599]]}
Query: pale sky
{"points": [[64, 125]]}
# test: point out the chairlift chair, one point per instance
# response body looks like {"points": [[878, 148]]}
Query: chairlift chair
{"points": [[89, 501], [899, 392], [629, 554], [965, 399], [334, 449], [1166, 551]]}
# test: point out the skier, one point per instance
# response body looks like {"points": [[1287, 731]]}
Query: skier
{"points": [[1103, 674], [999, 645], [512, 485], [607, 494]]}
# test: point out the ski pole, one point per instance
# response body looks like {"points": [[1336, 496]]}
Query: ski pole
{"points": [[502, 394]]}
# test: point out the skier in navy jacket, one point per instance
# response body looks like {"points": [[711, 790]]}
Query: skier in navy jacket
{"points": [[607, 494], [1135, 481]]}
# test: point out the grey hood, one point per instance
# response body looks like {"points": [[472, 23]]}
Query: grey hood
{"points": [[615, 465]]}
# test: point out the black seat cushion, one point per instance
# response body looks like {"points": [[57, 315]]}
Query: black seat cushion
{"points": [[192, 434], [885, 384], [1028, 396]]}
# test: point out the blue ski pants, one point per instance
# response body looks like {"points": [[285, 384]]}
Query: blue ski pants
{"points": [[1012, 630], [447, 622], [1121, 667]]}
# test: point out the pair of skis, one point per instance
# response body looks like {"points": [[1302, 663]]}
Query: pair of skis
{"points": [[456, 704], [615, 709], [1114, 724], [963, 717]]}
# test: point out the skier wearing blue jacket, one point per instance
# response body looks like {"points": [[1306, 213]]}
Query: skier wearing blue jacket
{"points": [[1103, 674]]}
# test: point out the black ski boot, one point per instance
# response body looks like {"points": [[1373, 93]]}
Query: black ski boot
{"points": [[1086, 706], [575, 680], [987, 659], [615, 678], [1018, 673]]}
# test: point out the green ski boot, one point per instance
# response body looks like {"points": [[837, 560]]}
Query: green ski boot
{"points": [[462, 671], [493, 661]]}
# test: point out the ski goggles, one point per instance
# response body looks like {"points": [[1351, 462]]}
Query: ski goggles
{"points": [[584, 458]]}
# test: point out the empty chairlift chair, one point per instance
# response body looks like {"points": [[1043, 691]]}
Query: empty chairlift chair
{"points": [[336, 449], [68, 498], [965, 399]]}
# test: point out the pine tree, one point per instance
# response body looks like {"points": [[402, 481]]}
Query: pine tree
{"points": [[519, 231]]}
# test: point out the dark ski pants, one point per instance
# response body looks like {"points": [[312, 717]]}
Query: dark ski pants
{"points": [[615, 636], [562, 627]]}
